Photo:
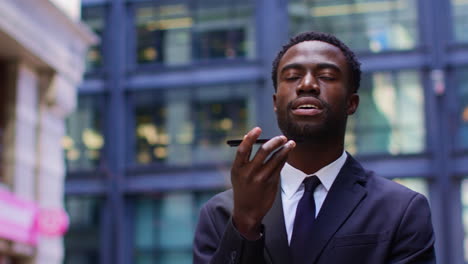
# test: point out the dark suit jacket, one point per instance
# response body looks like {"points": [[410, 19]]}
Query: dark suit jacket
{"points": [[364, 219]]}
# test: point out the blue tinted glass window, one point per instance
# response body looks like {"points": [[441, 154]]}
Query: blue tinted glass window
{"points": [[416, 184], [372, 25], [163, 32], [390, 116], [82, 241], [223, 29], [462, 91], [94, 17], [179, 32], [464, 198], [460, 19], [190, 126], [165, 225], [84, 140]]}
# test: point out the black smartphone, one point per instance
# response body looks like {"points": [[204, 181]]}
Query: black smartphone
{"points": [[236, 142]]}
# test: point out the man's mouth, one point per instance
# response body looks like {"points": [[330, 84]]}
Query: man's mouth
{"points": [[307, 106]]}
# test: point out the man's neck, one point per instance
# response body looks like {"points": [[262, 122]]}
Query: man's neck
{"points": [[310, 158]]}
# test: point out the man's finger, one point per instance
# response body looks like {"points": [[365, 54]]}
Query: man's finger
{"points": [[276, 162], [267, 149], [245, 148]]}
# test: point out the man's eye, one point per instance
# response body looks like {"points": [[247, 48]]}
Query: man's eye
{"points": [[327, 77], [292, 78]]}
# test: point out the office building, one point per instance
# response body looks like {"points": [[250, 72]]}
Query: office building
{"points": [[172, 80]]}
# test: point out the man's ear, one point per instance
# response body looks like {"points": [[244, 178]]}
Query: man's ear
{"points": [[353, 103], [274, 102]]}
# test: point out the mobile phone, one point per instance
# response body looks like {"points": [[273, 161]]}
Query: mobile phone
{"points": [[236, 142]]}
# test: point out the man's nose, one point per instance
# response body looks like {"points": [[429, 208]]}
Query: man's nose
{"points": [[308, 84]]}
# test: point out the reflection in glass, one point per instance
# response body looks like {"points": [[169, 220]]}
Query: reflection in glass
{"points": [[164, 227], [163, 32], [152, 137], [464, 197], [460, 17], [176, 32], [190, 126], [416, 184], [219, 114], [82, 238], [373, 25], [223, 29], [94, 17], [462, 76], [84, 140], [390, 116]]}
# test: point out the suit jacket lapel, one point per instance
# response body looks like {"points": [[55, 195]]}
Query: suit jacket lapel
{"points": [[276, 240], [345, 194]]}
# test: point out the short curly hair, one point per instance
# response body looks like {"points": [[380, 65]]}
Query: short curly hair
{"points": [[351, 59]]}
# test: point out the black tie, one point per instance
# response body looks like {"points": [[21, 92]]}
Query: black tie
{"points": [[305, 217]]}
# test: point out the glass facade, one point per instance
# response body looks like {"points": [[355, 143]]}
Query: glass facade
{"points": [[390, 117], [181, 32], [84, 141], [372, 25], [190, 126], [460, 19], [416, 184], [462, 76], [94, 17], [82, 241], [183, 76], [164, 227], [464, 198]]}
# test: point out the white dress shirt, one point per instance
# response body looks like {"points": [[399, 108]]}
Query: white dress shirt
{"points": [[292, 188]]}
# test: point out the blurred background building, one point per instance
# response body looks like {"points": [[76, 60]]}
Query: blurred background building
{"points": [[42, 49], [170, 81]]}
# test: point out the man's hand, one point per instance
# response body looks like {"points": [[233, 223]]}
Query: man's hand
{"points": [[255, 182]]}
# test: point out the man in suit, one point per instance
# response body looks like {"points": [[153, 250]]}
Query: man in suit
{"points": [[301, 198]]}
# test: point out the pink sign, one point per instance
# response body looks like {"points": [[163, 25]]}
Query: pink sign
{"points": [[23, 221], [17, 218], [52, 222]]}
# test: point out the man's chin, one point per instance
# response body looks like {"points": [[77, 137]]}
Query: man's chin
{"points": [[307, 133]]}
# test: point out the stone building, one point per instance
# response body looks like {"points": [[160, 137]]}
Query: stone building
{"points": [[42, 49]]}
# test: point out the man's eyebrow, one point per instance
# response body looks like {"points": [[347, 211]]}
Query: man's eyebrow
{"points": [[322, 66], [296, 66]]}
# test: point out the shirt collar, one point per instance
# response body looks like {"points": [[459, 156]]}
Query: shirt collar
{"points": [[292, 178]]}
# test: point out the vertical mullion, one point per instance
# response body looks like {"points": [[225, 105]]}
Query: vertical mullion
{"points": [[116, 127], [443, 188]]}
